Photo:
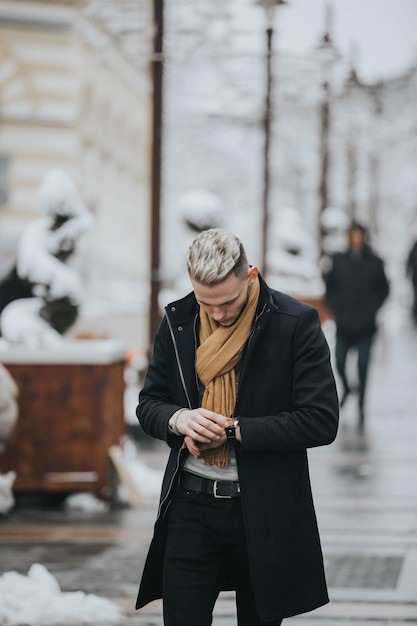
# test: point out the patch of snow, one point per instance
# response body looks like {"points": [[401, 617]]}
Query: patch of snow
{"points": [[21, 323], [84, 501], [37, 600]]}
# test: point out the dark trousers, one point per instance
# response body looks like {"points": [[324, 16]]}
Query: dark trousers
{"points": [[361, 342], [205, 535]]}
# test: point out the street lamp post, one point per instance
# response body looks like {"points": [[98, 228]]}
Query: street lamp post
{"points": [[270, 8], [324, 156], [157, 75], [375, 164], [329, 55]]}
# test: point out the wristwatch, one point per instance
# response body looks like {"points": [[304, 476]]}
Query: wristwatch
{"points": [[231, 431]]}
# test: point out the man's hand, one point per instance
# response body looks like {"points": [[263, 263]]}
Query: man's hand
{"points": [[202, 428], [197, 448]]}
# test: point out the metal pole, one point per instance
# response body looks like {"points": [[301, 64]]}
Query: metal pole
{"points": [[267, 142], [374, 199], [329, 51], [324, 150], [157, 76]]}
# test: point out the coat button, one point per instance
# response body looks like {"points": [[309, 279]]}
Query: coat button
{"points": [[173, 308], [179, 327]]}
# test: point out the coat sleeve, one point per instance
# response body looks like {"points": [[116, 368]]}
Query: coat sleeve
{"points": [[313, 417], [156, 404]]}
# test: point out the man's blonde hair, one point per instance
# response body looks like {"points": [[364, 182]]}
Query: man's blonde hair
{"points": [[214, 255]]}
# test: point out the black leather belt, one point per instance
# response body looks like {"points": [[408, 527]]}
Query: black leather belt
{"points": [[216, 488]]}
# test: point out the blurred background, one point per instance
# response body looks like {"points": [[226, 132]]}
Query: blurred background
{"points": [[279, 121]]}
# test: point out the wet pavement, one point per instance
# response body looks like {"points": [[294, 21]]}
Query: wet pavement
{"points": [[365, 488]]}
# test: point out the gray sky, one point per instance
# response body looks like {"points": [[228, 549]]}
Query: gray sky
{"points": [[384, 31]]}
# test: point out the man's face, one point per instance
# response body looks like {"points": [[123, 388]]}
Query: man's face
{"points": [[356, 239], [225, 302]]}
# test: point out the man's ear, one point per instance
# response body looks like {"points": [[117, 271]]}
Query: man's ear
{"points": [[252, 274]]}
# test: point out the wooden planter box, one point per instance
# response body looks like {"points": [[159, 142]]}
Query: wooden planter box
{"points": [[71, 411]]}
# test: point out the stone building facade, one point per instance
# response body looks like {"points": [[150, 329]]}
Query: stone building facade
{"points": [[70, 98]]}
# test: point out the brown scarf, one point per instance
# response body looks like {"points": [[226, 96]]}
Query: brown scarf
{"points": [[219, 352]]}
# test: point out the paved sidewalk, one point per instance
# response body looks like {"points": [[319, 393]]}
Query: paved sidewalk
{"points": [[365, 488]]}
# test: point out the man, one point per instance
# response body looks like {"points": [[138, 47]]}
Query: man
{"points": [[239, 385], [356, 287]]}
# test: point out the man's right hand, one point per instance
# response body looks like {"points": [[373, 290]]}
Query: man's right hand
{"points": [[201, 425]]}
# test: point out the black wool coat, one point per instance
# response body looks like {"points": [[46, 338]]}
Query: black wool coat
{"points": [[356, 288], [286, 403]]}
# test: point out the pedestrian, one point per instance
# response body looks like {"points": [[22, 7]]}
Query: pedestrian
{"points": [[411, 270], [239, 386], [356, 288]]}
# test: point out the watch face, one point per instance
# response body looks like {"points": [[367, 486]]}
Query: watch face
{"points": [[231, 432]]}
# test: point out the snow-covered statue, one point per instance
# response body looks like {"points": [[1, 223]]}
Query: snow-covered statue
{"points": [[335, 223], [40, 298], [197, 210], [200, 210], [293, 255]]}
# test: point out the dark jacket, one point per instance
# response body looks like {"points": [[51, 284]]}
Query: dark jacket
{"points": [[356, 287], [286, 403]]}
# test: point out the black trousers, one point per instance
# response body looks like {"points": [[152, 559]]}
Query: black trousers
{"points": [[205, 535], [362, 343]]}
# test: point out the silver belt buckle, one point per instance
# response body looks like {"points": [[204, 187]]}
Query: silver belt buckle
{"points": [[215, 494]]}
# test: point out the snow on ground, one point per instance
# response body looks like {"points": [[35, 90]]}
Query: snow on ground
{"points": [[85, 501], [147, 480], [37, 600]]}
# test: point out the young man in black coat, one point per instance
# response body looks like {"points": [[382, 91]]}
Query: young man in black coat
{"points": [[239, 386], [356, 288]]}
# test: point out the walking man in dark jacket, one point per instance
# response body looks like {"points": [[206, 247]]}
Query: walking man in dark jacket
{"points": [[239, 386], [356, 288]]}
